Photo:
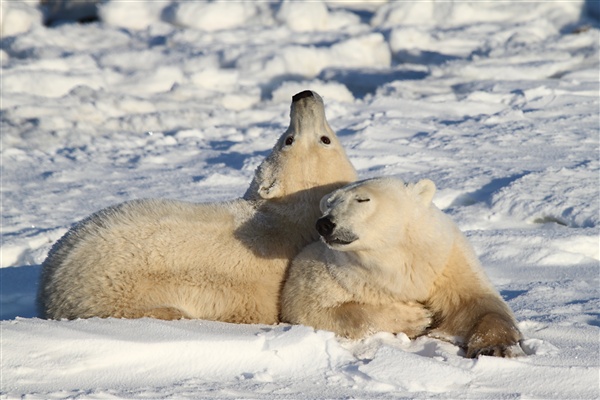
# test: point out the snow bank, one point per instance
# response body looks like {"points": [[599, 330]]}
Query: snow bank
{"points": [[313, 16], [131, 15], [237, 360], [308, 61], [558, 197], [61, 358], [452, 14], [220, 15], [212, 16]]}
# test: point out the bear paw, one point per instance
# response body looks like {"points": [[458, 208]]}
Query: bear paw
{"points": [[494, 335], [410, 318], [510, 351]]}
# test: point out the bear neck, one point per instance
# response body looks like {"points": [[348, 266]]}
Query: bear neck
{"points": [[289, 224], [395, 269], [361, 274], [299, 210]]}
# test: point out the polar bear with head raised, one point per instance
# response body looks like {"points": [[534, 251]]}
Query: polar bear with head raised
{"points": [[390, 260], [218, 261]]}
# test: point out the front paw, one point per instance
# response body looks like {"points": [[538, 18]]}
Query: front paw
{"points": [[409, 318], [508, 351], [422, 322]]}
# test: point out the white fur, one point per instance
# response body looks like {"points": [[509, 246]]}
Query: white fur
{"points": [[224, 261], [391, 260]]}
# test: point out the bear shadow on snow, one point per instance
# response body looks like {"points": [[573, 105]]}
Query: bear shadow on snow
{"points": [[18, 286], [245, 231]]}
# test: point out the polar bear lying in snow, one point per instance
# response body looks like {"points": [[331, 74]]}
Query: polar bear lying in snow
{"points": [[223, 261], [389, 257]]}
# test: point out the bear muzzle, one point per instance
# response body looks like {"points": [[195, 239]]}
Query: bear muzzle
{"points": [[326, 228]]}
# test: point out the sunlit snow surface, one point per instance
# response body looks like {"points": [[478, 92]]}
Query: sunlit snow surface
{"points": [[497, 102]]}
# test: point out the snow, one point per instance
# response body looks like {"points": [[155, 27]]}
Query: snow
{"points": [[496, 102]]}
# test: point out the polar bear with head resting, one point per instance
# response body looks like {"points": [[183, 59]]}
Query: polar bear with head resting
{"points": [[218, 261], [390, 260]]}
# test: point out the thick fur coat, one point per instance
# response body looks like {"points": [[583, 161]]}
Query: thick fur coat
{"points": [[389, 260], [219, 261]]}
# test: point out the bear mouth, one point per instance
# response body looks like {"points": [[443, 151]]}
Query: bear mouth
{"points": [[336, 241], [340, 238]]}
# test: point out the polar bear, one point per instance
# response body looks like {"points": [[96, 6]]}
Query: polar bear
{"points": [[389, 257], [217, 261]]}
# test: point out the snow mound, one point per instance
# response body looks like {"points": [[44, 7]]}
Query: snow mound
{"points": [[308, 61], [81, 355], [211, 16], [558, 197], [130, 15], [18, 16]]}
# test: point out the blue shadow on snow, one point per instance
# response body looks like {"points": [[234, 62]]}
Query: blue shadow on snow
{"points": [[18, 290]]}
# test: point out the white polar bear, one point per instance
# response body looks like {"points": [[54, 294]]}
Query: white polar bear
{"points": [[222, 261], [387, 257]]}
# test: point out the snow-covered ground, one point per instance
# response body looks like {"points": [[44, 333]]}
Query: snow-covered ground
{"points": [[497, 102]]}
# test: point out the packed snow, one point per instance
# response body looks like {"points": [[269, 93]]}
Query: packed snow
{"points": [[497, 102]]}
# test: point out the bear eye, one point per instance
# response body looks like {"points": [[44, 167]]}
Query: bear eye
{"points": [[289, 140], [363, 200], [325, 140]]}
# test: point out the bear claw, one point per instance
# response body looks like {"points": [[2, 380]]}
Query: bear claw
{"points": [[507, 351]]}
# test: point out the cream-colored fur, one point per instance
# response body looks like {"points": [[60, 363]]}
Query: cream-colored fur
{"points": [[389, 257], [223, 261]]}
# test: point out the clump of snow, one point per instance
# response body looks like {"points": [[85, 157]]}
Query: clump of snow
{"points": [[18, 16], [313, 16], [497, 103], [134, 15], [212, 16], [303, 16]]}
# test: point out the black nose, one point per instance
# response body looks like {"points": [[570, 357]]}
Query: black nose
{"points": [[325, 226], [302, 95]]}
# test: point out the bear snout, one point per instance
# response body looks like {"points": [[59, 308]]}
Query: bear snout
{"points": [[302, 95], [325, 226]]}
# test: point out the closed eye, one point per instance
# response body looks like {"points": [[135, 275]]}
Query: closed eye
{"points": [[363, 200]]}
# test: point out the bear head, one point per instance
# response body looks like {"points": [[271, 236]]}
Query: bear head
{"points": [[374, 214], [308, 155]]}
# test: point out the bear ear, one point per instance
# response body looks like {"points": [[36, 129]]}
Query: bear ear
{"points": [[265, 184], [269, 191], [261, 190], [323, 203], [425, 189]]}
